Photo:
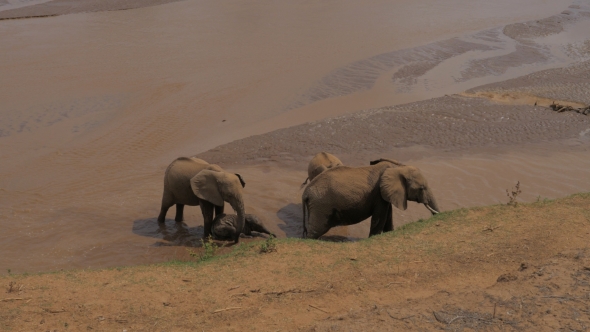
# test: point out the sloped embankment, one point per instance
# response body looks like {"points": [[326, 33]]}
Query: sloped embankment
{"points": [[512, 268]]}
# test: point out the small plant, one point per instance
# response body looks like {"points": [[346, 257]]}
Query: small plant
{"points": [[11, 287], [513, 194], [8, 270], [209, 250], [268, 246]]}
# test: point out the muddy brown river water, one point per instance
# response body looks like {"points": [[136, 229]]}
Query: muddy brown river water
{"points": [[95, 105]]}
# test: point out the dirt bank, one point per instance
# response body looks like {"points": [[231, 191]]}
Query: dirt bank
{"points": [[501, 267]]}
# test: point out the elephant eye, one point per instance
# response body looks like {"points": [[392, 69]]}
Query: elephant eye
{"points": [[422, 188]]}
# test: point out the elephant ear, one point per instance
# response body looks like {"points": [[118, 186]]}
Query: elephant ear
{"points": [[205, 186], [393, 187], [241, 180]]}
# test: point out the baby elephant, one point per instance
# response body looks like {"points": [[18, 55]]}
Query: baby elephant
{"points": [[224, 226]]}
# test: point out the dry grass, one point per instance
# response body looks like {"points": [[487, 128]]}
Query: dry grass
{"points": [[490, 268]]}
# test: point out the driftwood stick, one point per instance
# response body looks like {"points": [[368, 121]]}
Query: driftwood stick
{"points": [[452, 320], [294, 290], [12, 299], [322, 310], [226, 309]]}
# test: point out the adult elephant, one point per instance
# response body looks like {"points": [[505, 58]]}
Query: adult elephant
{"points": [[345, 196], [193, 181], [319, 163]]}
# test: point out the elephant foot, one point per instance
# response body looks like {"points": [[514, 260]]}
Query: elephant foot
{"points": [[246, 236], [161, 220]]}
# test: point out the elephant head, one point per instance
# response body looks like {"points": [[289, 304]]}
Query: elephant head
{"points": [[218, 187], [403, 183]]}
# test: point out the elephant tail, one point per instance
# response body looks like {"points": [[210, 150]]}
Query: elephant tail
{"points": [[304, 183], [305, 214]]}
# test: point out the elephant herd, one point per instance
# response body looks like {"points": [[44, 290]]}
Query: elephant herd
{"points": [[336, 195]]}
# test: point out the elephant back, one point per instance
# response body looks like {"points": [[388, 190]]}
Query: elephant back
{"points": [[177, 179], [183, 169], [321, 162]]}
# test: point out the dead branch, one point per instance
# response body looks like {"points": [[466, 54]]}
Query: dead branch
{"points": [[235, 287], [12, 299], [490, 228], [322, 310], [294, 290], [513, 194], [226, 309], [562, 108], [452, 320]]}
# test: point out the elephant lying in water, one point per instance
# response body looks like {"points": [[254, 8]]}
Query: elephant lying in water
{"points": [[193, 181], [319, 163], [225, 226], [345, 196]]}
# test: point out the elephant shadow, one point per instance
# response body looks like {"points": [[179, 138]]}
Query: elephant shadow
{"points": [[169, 233], [292, 215]]}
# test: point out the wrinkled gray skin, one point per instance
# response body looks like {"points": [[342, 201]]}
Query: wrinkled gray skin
{"points": [[224, 226], [345, 196], [319, 163], [193, 181]]}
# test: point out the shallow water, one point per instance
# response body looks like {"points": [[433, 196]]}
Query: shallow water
{"points": [[95, 106]]}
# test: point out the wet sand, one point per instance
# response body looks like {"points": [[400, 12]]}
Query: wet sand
{"points": [[47, 8], [96, 105]]}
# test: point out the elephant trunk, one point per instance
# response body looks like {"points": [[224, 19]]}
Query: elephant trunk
{"points": [[238, 205], [431, 205], [257, 226]]}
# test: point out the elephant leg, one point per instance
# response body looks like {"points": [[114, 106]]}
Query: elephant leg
{"points": [[167, 202], [219, 210], [179, 213], [389, 221], [379, 217], [207, 208]]}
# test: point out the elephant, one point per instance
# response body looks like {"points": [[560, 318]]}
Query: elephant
{"points": [[319, 163], [346, 195], [193, 181], [224, 226]]}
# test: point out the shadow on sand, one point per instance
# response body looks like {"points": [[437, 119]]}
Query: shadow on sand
{"points": [[169, 233]]}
